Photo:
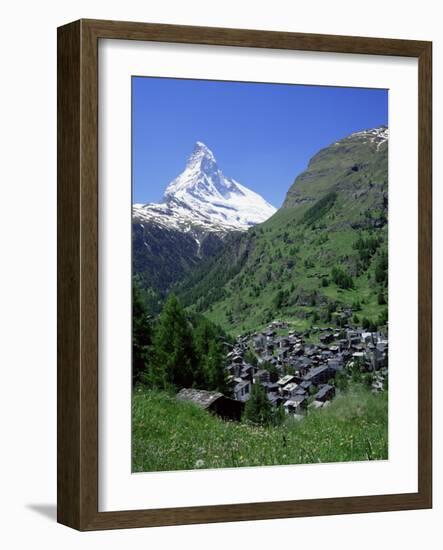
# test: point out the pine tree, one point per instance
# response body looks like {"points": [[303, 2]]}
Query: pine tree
{"points": [[214, 369], [258, 409], [173, 357], [251, 358], [381, 269], [273, 373], [210, 372], [141, 336]]}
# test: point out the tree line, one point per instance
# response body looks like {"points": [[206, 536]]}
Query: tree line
{"points": [[177, 349]]}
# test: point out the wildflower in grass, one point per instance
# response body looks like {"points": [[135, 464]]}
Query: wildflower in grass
{"points": [[199, 463]]}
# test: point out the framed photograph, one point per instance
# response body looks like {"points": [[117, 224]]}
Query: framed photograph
{"points": [[244, 275]]}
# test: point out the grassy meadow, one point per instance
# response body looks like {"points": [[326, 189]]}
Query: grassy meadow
{"points": [[171, 435]]}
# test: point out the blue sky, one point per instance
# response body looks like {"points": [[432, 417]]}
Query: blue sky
{"points": [[262, 135]]}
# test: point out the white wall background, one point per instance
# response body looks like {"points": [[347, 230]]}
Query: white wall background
{"points": [[28, 273]]}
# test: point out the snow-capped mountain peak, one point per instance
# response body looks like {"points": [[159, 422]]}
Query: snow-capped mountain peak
{"points": [[201, 153], [203, 197], [202, 178]]}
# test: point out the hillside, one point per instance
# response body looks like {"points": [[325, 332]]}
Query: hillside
{"points": [[322, 257], [161, 256], [173, 435]]}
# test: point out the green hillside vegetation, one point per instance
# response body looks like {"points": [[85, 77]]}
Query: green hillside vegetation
{"points": [[160, 257], [324, 252], [178, 349], [174, 435]]}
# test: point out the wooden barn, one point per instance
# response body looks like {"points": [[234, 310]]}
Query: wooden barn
{"points": [[214, 402]]}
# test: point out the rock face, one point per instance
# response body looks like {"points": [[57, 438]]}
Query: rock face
{"points": [[200, 207]]}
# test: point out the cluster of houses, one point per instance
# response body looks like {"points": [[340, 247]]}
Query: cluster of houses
{"points": [[299, 375]]}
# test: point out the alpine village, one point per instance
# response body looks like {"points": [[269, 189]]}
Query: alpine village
{"points": [[260, 336]]}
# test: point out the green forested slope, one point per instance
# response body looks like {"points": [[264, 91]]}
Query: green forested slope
{"points": [[324, 252]]}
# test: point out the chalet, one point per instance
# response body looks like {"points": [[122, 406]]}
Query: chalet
{"points": [[242, 390], [310, 350], [214, 402], [343, 343], [283, 342], [296, 405], [382, 346], [261, 376], [304, 364], [247, 371], [270, 387], [354, 337], [378, 358], [367, 337], [298, 349], [335, 363], [237, 359], [275, 399], [289, 390], [318, 375], [278, 324], [259, 341], [282, 353], [285, 380], [305, 385], [231, 370], [326, 338], [325, 393], [235, 369]]}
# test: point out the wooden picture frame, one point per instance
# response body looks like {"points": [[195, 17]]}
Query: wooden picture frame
{"points": [[78, 274]]}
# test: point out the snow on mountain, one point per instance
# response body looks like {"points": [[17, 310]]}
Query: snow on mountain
{"points": [[203, 198], [378, 136]]}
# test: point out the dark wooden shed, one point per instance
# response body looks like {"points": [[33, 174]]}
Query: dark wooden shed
{"points": [[214, 402]]}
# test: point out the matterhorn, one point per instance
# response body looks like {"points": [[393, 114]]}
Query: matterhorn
{"points": [[200, 211], [203, 198]]}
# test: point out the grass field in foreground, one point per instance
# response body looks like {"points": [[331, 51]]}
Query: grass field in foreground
{"points": [[172, 435]]}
